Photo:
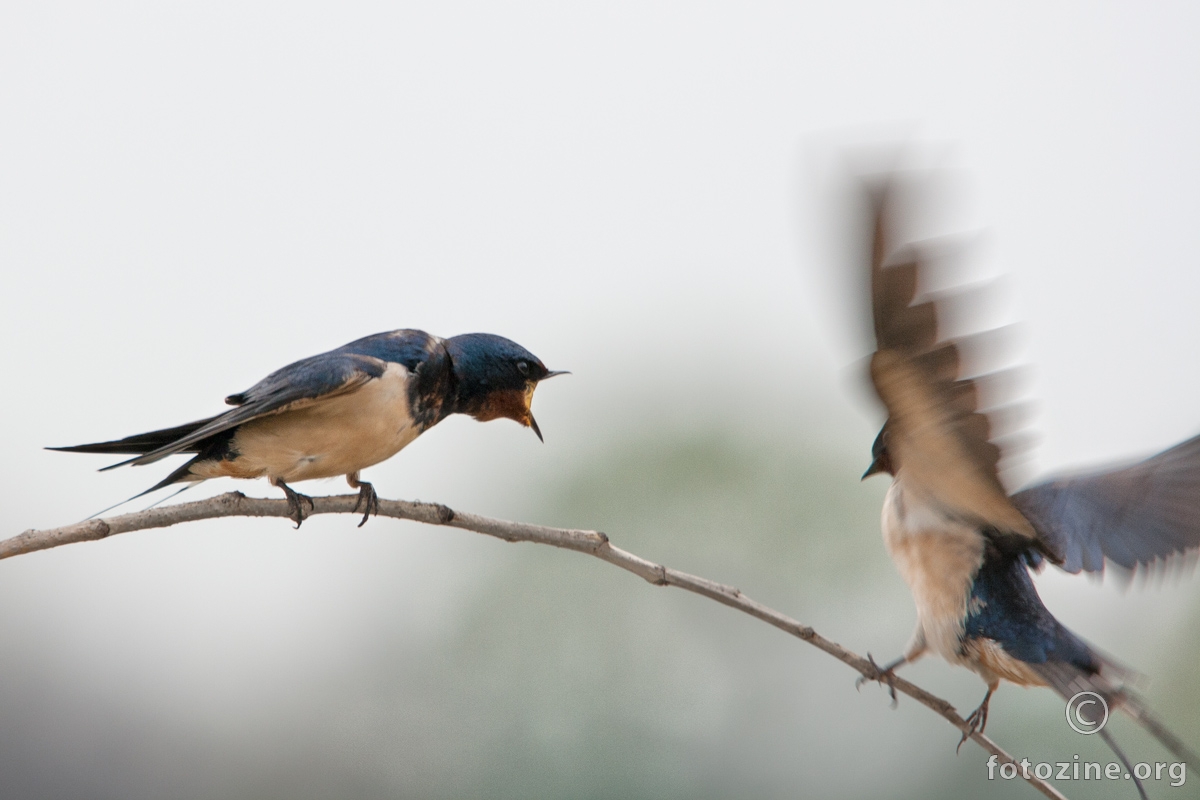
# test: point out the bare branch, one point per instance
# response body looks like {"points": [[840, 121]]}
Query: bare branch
{"points": [[235, 504]]}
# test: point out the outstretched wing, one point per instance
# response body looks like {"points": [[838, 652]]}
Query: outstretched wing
{"points": [[1139, 515], [935, 431]]}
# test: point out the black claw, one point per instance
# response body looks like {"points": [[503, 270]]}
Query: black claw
{"points": [[976, 721], [368, 502], [882, 675], [296, 503]]}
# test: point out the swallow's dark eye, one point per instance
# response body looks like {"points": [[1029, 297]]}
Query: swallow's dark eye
{"points": [[523, 367]]}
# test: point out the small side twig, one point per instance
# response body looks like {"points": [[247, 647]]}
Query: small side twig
{"points": [[595, 543]]}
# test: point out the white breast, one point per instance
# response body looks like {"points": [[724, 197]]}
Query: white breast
{"points": [[938, 558]]}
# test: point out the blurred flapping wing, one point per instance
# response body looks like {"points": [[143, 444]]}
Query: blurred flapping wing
{"points": [[1137, 516], [935, 433]]}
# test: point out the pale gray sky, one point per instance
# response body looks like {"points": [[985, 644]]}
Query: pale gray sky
{"points": [[192, 195]]}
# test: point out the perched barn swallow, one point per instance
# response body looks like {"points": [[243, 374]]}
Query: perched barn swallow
{"points": [[961, 542], [343, 411]]}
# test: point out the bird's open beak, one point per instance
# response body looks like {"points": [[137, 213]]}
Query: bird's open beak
{"points": [[528, 415], [529, 420], [875, 468]]}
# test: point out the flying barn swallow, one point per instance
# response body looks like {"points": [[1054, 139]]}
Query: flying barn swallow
{"points": [[965, 546], [340, 412]]}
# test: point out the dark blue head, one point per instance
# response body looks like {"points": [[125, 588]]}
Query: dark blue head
{"points": [[496, 378]]}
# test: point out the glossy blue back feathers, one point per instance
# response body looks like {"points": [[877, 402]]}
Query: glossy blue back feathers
{"points": [[1005, 608]]}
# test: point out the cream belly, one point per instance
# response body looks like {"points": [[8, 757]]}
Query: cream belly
{"points": [[988, 658], [938, 558], [336, 436]]}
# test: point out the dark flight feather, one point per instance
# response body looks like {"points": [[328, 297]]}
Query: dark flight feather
{"points": [[142, 442], [294, 386], [298, 384]]}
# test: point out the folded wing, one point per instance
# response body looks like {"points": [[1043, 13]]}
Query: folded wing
{"points": [[299, 384]]}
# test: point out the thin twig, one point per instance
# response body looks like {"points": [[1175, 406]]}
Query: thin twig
{"points": [[235, 504]]}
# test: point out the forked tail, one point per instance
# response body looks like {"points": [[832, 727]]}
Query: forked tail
{"points": [[141, 443], [1105, 679]]}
